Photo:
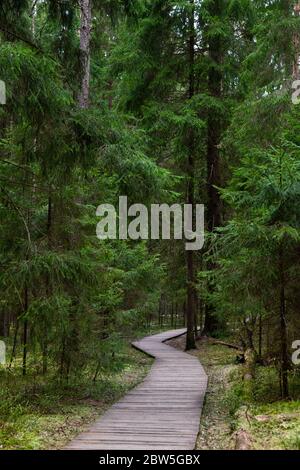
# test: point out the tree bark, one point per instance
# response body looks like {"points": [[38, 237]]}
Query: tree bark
{"points": [[296, 44], [4, 324], [260, 337], [13, 353], [85, 39], [284, 360], [196, 315], [25, 333], [214, 125], [48, 285], [190, 262]]}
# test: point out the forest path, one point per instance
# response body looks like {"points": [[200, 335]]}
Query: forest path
{"points": [[163, 412]]}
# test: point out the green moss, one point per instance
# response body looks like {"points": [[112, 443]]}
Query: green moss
{"points": [[269, 422], [273, 426], [40, 413]]}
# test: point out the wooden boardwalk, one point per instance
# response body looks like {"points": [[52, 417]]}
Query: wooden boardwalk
{"points": [[162, 413]]}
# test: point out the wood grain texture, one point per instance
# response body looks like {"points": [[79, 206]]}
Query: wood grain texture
{"points": [[162, 413]]}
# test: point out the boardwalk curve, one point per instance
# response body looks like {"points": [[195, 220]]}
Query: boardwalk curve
{"points": [[162, 413]]}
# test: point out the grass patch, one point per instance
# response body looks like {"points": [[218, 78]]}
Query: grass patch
{"points": [[274, 426], [270, 422], [40, 412]]}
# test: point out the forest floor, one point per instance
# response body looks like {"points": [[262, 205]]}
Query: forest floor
{"points": [[269, 423], [37, 413]]}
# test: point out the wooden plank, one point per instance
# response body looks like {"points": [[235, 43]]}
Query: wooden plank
{"points": [[162, 413]]}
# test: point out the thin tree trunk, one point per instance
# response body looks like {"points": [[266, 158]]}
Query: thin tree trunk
{"points": [[48, 288], [13, 352], [26, 288], [201, 314], [2, 323], [196, 316], [296, 44], [33, 16], [190, 261], [85, 39], [159, 310], [284, 363], [25, 333], [5, 324], [97, 371], [213, 217], [260, 329], [62, 357]]}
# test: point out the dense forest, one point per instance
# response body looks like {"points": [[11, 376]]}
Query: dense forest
{"points": [[165, 102]]}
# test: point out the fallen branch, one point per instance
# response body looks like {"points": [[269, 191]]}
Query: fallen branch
{"points": [[223, 343]]}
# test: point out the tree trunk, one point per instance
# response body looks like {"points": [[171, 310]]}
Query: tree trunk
{"points": [[250, 364], [4, 324], [25, 333], [196, 317], [214, 124], [48, 286], [260, 336], [284, 360], [159, 310], [190, 337], [85, 38], [13, 352], [62, 356], [201, 316], [296, 45], [190, 302]]}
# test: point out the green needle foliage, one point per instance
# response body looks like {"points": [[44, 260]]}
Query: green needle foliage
{"points": [[186, 101]]}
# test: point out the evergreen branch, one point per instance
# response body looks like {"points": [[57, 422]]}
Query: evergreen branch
{"points": [[20, 214], [26, 41], [22, 183]]}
